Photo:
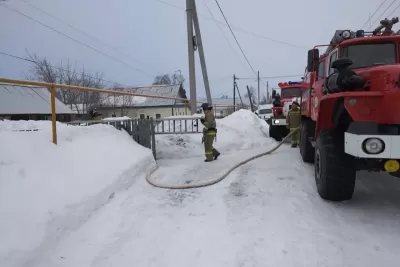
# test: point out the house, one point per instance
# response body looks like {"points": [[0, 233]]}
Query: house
{"points": [[223, 106], [19, 102], [138, 107]]}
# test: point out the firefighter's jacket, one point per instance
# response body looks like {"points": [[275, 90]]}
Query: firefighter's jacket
{"points": [[293, 118], [209, 122]]}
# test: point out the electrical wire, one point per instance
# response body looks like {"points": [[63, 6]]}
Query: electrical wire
{"points": [[61, 69], [75, 40], [379, 17], [237, 28], [369, 19], [234, 36], [218, 26], [271, 77], [394, 10], [79, 30]]}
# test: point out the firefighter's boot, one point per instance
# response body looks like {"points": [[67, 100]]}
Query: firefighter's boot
{"points": [[208, 160], [216, 154], [294, 145]]}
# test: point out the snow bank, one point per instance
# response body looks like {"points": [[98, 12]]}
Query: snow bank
{"points": [[239, 131], [117, 118], [48, 190]]}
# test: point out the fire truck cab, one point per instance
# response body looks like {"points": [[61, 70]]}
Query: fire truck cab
{"points": [[290, 91], [351, 110]]}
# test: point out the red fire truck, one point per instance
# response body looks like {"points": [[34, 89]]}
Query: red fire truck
{"points": [[351, 110], [290, 91]]}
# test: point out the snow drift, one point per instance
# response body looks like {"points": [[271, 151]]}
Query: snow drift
{"points": [[241, 130], [48, 190]]}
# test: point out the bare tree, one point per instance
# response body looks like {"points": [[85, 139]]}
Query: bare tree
{"points": [[264, 100], [163, 79], [177, 78], [43, 70]]}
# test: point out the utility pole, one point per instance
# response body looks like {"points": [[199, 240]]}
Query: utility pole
{"points": [[267, 93], [234, 92], [201, 52], [258, 87], [192, 75]]}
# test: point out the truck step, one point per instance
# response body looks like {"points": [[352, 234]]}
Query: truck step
{"points": [[310, 139]]}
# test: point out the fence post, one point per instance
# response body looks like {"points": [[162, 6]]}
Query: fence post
{"points": [[53, 113], [153, 137]]}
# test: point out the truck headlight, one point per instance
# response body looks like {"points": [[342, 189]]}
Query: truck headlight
{"points": [[276, 121], [373, 146]]}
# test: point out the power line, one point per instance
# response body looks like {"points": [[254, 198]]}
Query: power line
{"points": [[394, 10], [272, 77], [379, 17], [236, 28], [218, 26], [75, 40], [369, 19], [233, 34], [66, 70], [78, 30]]}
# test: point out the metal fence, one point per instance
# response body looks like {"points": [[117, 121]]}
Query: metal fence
{"points": [[177, 126], [143, 131]]}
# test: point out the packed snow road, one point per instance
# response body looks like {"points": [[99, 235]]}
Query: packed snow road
{"points": [[263, 214], [99, 210]]}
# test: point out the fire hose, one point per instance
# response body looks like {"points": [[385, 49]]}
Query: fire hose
{"points": [[212, 182]]}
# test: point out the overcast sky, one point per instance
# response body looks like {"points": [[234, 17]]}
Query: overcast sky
{"points": [[151, 36]]}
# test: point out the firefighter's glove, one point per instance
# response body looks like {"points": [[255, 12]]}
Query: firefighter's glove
{"points": [[202, 120]]}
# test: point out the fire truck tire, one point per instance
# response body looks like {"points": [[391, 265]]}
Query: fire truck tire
{"points": [[335, 171], [307, 151], [275, 133]]}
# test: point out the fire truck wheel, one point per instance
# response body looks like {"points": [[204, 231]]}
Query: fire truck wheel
{"points": [[271, 132], [275, 132], [335, 171], [307, 151]]}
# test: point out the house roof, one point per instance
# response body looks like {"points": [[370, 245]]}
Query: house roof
{"points": [[17, 99], [139, 101], [226, 101]]}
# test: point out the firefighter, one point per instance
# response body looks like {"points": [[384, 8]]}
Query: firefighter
{"points": [[209, 133], [293, 121]]}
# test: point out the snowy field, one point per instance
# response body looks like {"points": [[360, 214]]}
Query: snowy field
{"points": [[265, 213]]}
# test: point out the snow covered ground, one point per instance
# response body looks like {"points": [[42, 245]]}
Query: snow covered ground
{"points": [[265, 213], [48, 191], [240, 131]]}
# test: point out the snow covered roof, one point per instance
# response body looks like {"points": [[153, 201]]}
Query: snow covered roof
{"points": [[226, 101], [139, 101], [17, 99]]}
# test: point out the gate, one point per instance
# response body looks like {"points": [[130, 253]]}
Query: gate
{"points": [[143, 131]]}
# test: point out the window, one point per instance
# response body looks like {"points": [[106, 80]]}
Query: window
{"points": [[367, 55], [333, 58], [158, 116], [290, 92], [265, 111], [141, 116], [321, 70]]}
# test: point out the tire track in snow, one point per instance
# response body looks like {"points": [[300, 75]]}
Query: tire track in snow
{"points": [[282, 221]]}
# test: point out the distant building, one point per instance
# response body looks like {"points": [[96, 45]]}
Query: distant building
{"points": [[224, 106], [30, 103], [138, 107]]}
